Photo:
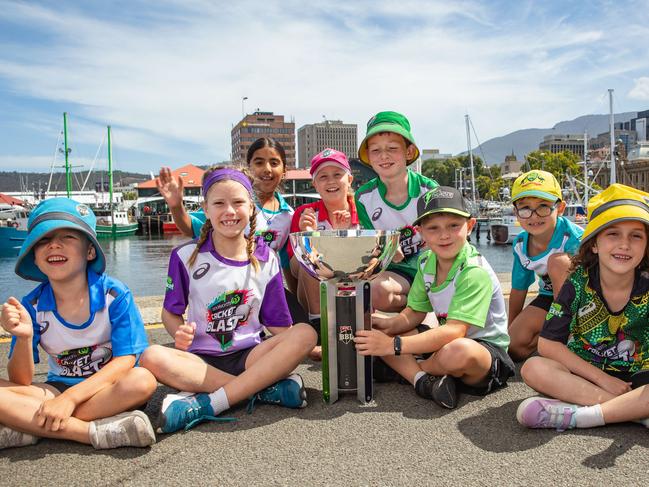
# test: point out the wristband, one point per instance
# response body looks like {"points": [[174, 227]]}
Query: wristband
{"points": [[397, 345]]}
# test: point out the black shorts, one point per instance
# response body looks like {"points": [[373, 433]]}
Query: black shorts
{"points": [[232, 363], [543, 301], [502, 368], [59, 386], [298, 313], [637, 379]]}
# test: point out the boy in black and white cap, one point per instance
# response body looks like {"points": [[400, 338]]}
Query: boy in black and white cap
{"points": [[468, 351]]}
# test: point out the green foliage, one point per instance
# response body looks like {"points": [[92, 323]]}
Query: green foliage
{"points": [[558, 164], [446, 173]]}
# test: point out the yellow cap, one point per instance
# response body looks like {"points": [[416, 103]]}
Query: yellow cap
{"points": [[536, 184], [615, 204]]}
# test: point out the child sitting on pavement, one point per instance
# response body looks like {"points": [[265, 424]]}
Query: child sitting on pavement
{"points": [[91, 330], [594, 346], [389, 202], [469, 348], [543, 249]]}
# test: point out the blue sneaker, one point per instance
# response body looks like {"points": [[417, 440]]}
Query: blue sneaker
{"points": [[185, 410], [289, 392]]}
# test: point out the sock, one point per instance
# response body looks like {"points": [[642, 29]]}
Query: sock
{"points": [[219, 401], [314, 316], [589, 416], [418, 376]]}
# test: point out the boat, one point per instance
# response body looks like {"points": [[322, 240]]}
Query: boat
{"points": [[13, 228], [113, 222], [506, 230]]}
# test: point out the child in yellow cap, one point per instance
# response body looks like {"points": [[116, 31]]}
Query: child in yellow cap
{"points": [[541, 250], [594, 345]]}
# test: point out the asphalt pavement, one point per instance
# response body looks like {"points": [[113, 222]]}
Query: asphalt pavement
{"points": [[401, 440]]}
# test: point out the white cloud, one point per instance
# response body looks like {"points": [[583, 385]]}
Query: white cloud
{"points": [[172, 85], [640, 90]]}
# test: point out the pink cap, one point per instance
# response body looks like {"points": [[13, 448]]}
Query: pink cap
{"points": [[329, 157]]}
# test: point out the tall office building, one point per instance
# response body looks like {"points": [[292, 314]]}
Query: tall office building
{"points": [[313, 138], [263, 124]]}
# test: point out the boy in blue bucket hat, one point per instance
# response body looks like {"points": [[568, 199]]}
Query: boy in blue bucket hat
{"points": [[92, 332]]}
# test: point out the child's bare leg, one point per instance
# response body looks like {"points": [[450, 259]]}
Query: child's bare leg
{"points": [[524, 332], [463, 358], [272, 360], [129, 392], [631, 406], [553, 379], [18, 412], [390, 292], [183, 370], [405, 365], [558, 270]]}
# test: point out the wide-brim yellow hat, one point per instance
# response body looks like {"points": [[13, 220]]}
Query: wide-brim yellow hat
{"points": [[616, 203]]}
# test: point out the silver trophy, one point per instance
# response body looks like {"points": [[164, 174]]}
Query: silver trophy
{"points": [[344, 260]]}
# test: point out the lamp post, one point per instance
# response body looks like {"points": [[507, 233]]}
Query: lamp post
{"points": [[243, 110]]}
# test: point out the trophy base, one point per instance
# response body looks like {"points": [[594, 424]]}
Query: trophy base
{"points": [[345, 308]]}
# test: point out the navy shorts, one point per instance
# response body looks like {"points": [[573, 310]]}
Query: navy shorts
{"points": [[59, 386], [543, 301], [232, 363]]}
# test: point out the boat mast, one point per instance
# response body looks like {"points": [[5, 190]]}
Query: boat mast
{"points": [[611, 123], [585, 169], [68, 173], [110, 181], [468, 143]]}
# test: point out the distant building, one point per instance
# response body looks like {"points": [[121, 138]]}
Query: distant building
{"points": [[511, 167], [627, 136], [315, 137], [558, 143], [433, 154], [263, 124], [149, 196]]}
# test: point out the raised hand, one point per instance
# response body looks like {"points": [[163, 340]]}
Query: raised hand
{"points": [[15, 319], [308, 221], [170, 188], [342, 219], [185, 335]]}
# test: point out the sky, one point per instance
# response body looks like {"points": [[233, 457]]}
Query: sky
{"points": [[170, 76]]}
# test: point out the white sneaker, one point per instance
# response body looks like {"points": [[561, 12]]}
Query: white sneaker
{"points": [[131, 428], [11, 438]]}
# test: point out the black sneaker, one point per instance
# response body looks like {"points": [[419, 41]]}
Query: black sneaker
{"points": [[442, 390], [383, 372]]}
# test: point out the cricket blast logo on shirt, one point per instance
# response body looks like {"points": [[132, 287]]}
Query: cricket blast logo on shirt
{"points": [[225, 314], [406, 235], [83, 362]]}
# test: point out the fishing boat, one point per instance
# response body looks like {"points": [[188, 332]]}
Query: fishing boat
{"points": [[505, 230], [13, 228]]}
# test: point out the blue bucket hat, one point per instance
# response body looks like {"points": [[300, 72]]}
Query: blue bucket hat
{"points": [[53, 214]]}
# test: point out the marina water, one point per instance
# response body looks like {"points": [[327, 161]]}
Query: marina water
{"points": [[141, 263]]}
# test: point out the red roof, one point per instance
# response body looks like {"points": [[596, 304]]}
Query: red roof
{"points": [[190, 174], [298, 174], [10, 200]]}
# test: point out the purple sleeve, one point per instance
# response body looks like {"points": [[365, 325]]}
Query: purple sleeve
{"points": [[274, 310], [177, 290]]}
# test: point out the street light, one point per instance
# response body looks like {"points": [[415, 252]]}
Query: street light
{"points": [[243, 111]]}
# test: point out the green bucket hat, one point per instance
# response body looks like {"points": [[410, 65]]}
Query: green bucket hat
{"points": [[387, 122]]}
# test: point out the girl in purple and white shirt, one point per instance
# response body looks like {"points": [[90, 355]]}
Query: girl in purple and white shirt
{"points": [[230, 285]]}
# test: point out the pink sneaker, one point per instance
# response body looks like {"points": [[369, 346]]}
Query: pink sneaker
{"points": [[541, 412]]}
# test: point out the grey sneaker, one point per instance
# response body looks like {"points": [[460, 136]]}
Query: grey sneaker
{"points": [[11, 438], [131, 428]]}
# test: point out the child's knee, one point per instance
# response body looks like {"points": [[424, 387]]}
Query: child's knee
{"points": [[458, 355], [532, 369], [306, 335], [142, 382], [154, 358]]}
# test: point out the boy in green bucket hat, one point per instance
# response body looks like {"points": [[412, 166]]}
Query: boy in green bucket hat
{"points": [[389, 202]]}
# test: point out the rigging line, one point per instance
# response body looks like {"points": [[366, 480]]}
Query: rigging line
{"points": [[56, 152], [94, 161]]}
